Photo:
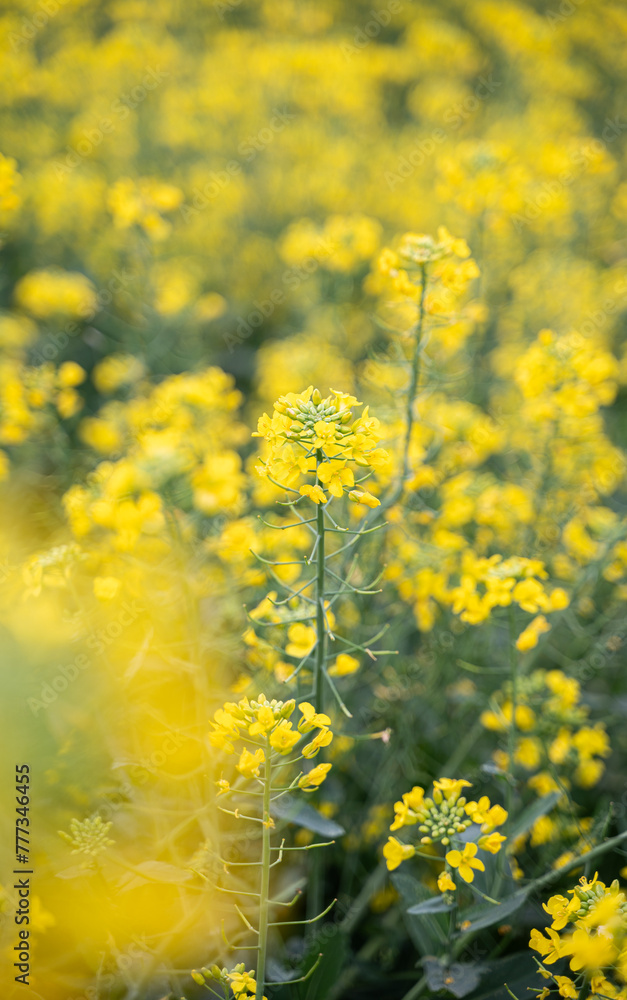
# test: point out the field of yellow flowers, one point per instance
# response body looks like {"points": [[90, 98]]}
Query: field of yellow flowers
{"points": [[313, 455]]}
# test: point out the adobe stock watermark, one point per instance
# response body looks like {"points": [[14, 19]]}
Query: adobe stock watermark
{"points": [[594, 320], [248, 149], [291, 278], [371, 29], [454, 117], [56, 342], [98, 641], [7, 569], [562, 12], [225, 8], [121, 108], [31, 26], [551, 190], [126, 961]]}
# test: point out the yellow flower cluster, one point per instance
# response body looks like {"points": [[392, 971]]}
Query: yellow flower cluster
{"points": [[173, 441], [473, 586], [309, 436], [594, 922], [496, 582], [32, 399], [242, 983], [142, 203], [266, 726], [402, 269], [10, 200], [341, 244], [421, 287], [566, 377], [552, 731], [458, 511], [48, 293], [444, 818]]}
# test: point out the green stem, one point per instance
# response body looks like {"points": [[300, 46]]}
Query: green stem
{"points": [[264, 890], [511, 736], [452, 923], [396, 493], [416, 989], [318, 678], [316, 871], [415, 373], [511, 747]]}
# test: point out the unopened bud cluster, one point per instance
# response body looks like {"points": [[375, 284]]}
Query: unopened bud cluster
{"points": [[311, 437], [590, 893], [305, 413], [88, 836], [242, 983], [440, 820]]}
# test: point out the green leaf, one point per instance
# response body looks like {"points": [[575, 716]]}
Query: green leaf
{"points": [[426, 932], [437, 904], [154, 871], [494, 914], [76, 871], [519, 971], [533, 812], [302, 814], [334, 947], [459, 978]]}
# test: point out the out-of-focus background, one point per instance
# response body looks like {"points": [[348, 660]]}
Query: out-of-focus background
{"points": [[200, 189]]}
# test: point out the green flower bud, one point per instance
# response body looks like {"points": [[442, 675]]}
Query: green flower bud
{"points": [[288, 708]]}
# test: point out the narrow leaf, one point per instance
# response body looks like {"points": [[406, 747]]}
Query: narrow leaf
{"points": [[494, 914], [302, 814], [533, 812], [437, 904]]}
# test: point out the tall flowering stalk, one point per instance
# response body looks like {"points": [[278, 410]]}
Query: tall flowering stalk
{"points": [[424, 275], [320, 452], [265, 740], [316, 449]]}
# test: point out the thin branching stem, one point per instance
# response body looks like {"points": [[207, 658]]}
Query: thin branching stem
{"points": [[264, 890]]}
